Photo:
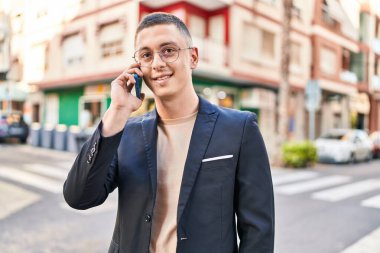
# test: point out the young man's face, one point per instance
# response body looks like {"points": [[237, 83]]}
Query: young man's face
{"points": [[163, 78]]}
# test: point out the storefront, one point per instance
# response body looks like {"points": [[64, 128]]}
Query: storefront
{"points": [[360, 108]]}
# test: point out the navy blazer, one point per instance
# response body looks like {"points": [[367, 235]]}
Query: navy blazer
{"points": [[212, 191]]}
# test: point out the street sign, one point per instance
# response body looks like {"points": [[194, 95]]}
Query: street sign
{"points": [[313, 95]]}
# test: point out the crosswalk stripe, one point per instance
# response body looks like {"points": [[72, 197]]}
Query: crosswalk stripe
{"points": [[368, 244], [309, 185], [347, 191], [275, 171], [373, 202], [291, 177], [14, 199], [31, 179], [46, 170]]}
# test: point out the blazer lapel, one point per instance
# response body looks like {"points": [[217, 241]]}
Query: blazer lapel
{"points": [[200, 138], [149, 130]]}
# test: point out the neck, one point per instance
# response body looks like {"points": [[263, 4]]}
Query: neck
{"points": [[177, 107]]}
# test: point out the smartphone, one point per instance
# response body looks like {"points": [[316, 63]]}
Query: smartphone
{"points": [[138, 85]]}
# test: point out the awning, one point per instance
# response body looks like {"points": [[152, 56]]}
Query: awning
{"points": [[13, 91]]}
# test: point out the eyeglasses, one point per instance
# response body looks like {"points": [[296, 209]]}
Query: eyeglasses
{"points": [[167, 54]]}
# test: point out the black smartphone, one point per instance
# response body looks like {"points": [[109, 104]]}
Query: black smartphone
{"points": [[138, 84]]}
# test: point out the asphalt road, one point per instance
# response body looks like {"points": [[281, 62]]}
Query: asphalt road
{"points": [[329, 208]]}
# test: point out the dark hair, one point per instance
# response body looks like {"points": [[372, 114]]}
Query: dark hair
{"points": [[162, 18]]}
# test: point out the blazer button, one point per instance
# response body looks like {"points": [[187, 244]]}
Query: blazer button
{"points": [[148, 218]]}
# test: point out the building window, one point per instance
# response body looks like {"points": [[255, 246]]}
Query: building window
{"points": [[328, 61], [297, 8], [345, 59], [37, 61], [257, 44], [353, 68], [17, 22], [327, 16], [92, 108], [295, 57], [267, 45], [112, 40], [73, 50], [197, 26], [364, 27]]}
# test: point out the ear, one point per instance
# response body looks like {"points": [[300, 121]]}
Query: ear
{"points": [[194, 58]]}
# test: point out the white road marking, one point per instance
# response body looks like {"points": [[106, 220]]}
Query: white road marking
{"points": [[368, 244], [14, 199], [46, 170], [310, 185], [291, 177], [373, 202], [347, 191], [31, 179]]}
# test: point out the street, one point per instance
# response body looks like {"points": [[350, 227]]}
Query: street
{"points": [[327, 209], [33, 214]]}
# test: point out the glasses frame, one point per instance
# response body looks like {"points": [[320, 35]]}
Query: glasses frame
{"points": [[160, 54]]}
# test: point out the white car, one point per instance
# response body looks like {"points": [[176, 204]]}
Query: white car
{"points": [[344, 145]]}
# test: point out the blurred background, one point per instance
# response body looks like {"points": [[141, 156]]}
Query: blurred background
{"points": [[309, 69]]}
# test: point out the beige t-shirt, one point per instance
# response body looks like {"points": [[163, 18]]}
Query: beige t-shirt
{"points": [[172, 146]]}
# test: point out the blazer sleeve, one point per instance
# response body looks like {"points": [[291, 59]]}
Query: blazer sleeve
{"points": [[254, 199], [94, 173]]}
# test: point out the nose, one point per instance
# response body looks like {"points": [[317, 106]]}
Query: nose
{"points": [[157, 62]]}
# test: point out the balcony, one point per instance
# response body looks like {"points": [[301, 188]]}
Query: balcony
{"points": [[376, 82], [212, 53], [207, 5], [349, 76]]}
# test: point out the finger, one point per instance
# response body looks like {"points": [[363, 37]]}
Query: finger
{"points": [[134, 70], [139, 72], [130, 83]]}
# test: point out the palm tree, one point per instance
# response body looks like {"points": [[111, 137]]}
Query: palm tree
{"points": [[284, 80]]}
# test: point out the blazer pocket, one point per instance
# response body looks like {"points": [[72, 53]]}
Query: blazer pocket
{"points": [[219, 163], [114, 247]]}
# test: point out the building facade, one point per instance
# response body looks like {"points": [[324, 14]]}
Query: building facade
{"points": [[69, 52]]}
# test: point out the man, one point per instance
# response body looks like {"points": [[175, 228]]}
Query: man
{"points": [[184, 170]]}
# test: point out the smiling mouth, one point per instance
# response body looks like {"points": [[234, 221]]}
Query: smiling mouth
{"points": [[162, 78]]}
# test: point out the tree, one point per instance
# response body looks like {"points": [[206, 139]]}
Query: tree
{"points": [[282, 135]]}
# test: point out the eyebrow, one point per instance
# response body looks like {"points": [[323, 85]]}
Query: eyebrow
{"points": [[161, 45]]}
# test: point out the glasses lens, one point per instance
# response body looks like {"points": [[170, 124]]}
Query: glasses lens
{"points": [[144, 57], [168, 53]]}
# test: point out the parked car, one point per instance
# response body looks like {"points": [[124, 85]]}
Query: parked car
{"points": [[12, 125], [375, 137], [344, 145]]}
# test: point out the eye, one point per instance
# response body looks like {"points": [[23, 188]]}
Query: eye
{"points": [[145, 55], [168, 51]]}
